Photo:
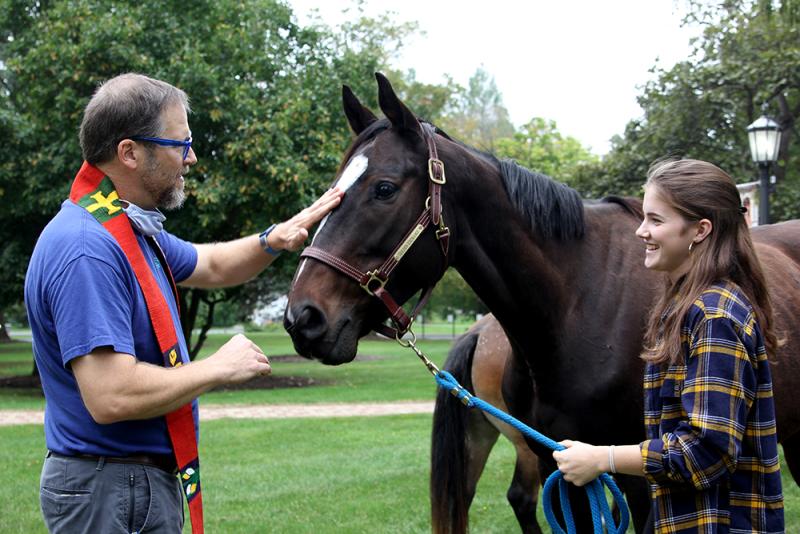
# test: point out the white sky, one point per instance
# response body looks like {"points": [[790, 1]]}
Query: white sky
{"points": [[578, 62]]}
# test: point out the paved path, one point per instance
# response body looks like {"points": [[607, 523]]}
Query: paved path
{"points": [[209, 412]]}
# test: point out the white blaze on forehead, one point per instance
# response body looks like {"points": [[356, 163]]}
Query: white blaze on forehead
{"points": [[354, 170], [300, 270]]}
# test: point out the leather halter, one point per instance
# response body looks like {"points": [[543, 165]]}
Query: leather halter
{"points": [[374, 281]]}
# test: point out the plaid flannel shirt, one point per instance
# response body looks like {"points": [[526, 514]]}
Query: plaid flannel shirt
{"points": [[711, 457]]}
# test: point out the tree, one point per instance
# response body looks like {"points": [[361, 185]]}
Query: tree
{"points": [[453, 295], [479, 117], [539, 146], [748, 56], [265, 94], [433, 103]]}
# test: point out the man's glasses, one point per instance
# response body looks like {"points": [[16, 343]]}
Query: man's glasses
{"points": [[187, 145]]}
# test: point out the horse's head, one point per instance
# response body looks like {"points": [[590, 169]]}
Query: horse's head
{"points": [[385, 242]]}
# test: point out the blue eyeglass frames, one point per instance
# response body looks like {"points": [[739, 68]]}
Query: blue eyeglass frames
{"points": [[187, 145]]}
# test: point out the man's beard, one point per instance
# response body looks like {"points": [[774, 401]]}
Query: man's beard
{"points": [[167, 198], [172, 199]]}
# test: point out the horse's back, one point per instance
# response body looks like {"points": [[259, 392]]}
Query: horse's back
{"points": [[778, 247], [784, 237]]}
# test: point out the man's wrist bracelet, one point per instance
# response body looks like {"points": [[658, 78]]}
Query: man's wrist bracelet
{"points": [[262, 238]]}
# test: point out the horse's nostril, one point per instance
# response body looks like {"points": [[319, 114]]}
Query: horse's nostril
{"points": [[309, 322]]}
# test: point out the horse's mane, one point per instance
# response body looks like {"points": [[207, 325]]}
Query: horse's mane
{"points": [[553, 209]]}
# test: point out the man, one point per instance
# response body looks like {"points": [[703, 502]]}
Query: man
{"points": [[121, 413]]}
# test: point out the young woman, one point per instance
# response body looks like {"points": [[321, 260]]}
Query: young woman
{"points": [[711, 454]]}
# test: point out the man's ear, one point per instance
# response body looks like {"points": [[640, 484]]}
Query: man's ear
{"points": [[129, 153]]}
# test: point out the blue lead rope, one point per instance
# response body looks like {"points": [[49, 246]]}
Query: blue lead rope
{"points": [[594, 490]]}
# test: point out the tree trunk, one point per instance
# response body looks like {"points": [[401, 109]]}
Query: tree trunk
{"points": [[4, 335], [207, 324], [210, 303]]}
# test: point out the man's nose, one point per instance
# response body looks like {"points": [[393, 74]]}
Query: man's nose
{"points": [[191, 157]]}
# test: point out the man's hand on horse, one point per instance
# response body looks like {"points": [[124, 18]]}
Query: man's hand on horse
{"points": [[291, 234]]}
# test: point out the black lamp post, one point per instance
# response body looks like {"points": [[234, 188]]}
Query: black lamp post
{"points": [[765, 140]]}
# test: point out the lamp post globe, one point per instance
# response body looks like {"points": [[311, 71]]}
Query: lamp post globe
{"points": [[765, 140]]}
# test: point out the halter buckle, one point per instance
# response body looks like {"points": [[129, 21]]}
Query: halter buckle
{"points": [[439, 164], [373, 277]]}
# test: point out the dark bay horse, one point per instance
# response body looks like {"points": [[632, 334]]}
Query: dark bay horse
{"points": [[564, 278], [462, 439]]}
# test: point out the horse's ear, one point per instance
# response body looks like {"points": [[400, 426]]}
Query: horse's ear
{"points": [[357, 115], [398, 114]]}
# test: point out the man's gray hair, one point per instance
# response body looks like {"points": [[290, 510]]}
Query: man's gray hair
{"points": [[123, 107]]}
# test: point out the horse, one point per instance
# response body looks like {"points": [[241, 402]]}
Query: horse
{"points": [[564, 277], [462, 439]]}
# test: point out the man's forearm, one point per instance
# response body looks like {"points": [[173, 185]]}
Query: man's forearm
{"points": [[117, 387], [153, 391], [235, 262], [230, 263]]}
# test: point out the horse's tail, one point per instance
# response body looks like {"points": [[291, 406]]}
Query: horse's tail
{"points": [[449, 494]]}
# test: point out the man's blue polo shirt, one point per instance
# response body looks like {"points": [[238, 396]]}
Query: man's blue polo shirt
{"points": [[81, 294]]}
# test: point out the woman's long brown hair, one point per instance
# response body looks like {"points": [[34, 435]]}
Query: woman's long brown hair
{"points": [[699, 190]]}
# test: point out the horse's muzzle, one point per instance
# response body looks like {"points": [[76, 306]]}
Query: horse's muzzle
{"points": [[306, 325]]}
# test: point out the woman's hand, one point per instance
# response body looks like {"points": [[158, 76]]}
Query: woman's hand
{"points": [[580, 462]]}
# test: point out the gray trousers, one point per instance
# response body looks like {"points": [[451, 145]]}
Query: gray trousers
{"points": [[86, 496]]}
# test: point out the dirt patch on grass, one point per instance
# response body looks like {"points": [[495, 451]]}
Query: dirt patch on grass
{"points": [[28, 381], [294, 358], [273, 382]]}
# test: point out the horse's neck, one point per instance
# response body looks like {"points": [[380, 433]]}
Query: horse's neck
{"points": [[514, 276], [539, 290]]}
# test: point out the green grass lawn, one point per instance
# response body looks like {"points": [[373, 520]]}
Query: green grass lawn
{"points": [[295, 476], [305, 476], [387, 373], [302, 475]]}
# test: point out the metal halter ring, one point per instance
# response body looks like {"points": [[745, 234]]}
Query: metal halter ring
{"points": [[409, 342], [373, 277]]}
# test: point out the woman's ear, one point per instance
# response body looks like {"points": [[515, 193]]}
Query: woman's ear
{"points": [[704, 228]]}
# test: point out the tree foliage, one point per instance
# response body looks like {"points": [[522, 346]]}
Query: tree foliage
{"points": [[746, 61], [452, 296], [539, 146], [434, 103], [265, 93], [478, 116]]}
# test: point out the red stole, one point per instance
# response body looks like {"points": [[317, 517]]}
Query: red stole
{"points": [[95, 192]]}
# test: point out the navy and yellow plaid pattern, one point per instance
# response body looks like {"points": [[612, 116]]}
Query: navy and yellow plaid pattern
{"points": [[711, 457]]}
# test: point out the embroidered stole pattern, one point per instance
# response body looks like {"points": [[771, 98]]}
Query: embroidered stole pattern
{"points": [[95, 192]]}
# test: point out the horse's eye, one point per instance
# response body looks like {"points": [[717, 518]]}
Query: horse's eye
{"points": [[384, 190]]}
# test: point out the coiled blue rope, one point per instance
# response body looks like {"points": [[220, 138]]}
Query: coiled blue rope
{"points": [[594, 490]]}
